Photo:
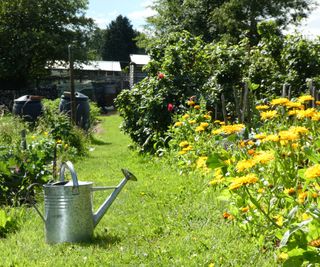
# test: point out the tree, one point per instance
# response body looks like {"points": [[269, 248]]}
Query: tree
{"points": [[33, 32], [119, 40], [216, 19]]}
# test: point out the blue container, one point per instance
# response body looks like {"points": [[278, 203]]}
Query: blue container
{"points": [[28, 107], [82, 108]]}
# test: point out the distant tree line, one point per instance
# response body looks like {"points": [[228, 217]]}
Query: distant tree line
{"points": [[34, 33]]}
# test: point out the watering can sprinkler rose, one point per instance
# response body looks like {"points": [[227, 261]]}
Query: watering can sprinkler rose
{"points": [[68, 215]]}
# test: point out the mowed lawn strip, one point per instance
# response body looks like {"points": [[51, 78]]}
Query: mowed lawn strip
{"points": [[163, 219]]}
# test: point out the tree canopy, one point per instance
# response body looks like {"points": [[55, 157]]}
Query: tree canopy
{"points": [[33, 32], [215, 19], [119, 40]]}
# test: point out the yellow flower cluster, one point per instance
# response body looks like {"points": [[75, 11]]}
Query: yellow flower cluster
{"points": [[312, 172], [261, 157], [308, 113], [280, 101], [229, 129], [270, 114], [305, 98], [262, 107], [217, 178], [201, 162], [243, 180]]}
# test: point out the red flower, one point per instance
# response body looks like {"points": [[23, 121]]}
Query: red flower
{"points": [[170, 107], [160, 75]]}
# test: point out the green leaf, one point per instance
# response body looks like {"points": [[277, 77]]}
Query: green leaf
{"points": [[312, 155], [215, 161]]}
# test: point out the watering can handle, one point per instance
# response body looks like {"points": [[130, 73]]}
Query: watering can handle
{"points": [[70, 167]]}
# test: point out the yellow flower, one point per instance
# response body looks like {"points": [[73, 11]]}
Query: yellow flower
{"points": [[283, 256], [245, 164], [299, 130], [217, 180], [178, 123], [199, 129], [291, 104], [191, 103], [295, 145], [233, 128], [245, 209], [305, 216], [46, 133], [263, 157], [251, 143], [237, 182], [66, 146], [182, 152], [188, 148], [279, 101], [316, 116], [262, 107], [59, 141], [308, 113], [217, 131], [268, 114], [186, 116], [312, 172], [204, 124], [302, 197], [279, 220], [207, 117], [222, 123], [197, 107], [271, 137], [192, 121], [183, 144], [305, 98], [289, 191], [260, 190], [202, 162], [260, 136], [317, 103], [288, 136]]}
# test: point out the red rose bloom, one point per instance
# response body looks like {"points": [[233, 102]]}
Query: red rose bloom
{"points": [[160, 75], [170, 107]]}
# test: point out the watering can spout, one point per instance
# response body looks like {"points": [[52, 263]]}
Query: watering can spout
{"points": [[107, 203]]}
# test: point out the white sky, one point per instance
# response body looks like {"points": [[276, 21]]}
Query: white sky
{"points": [[104, 11]]}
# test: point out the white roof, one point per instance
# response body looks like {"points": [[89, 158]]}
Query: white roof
{"points": [[90, 65], [139, 59]]}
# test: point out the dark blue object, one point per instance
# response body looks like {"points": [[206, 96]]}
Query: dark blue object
{"points": [[28, 107], [82, 108]]}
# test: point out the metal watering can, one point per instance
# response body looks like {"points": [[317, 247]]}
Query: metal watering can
{"points": [[68, 213]]}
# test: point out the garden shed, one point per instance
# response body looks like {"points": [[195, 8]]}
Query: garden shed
{"points": [[137, 62]]}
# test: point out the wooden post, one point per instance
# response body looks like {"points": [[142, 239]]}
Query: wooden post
{"points": [[236, 101], [312, 93], [284, 90], [224, 111], [72, 91], [245, 101]]}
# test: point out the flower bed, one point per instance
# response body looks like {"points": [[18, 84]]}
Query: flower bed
{"points": [[269, 175]]}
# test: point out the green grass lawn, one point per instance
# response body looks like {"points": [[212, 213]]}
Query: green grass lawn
{"points": [[163, 219]]}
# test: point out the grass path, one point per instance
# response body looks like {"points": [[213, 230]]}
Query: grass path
{"points": [[164, 219]]}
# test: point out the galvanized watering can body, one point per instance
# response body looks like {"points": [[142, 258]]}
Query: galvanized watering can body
{"points": [[68, 207]]}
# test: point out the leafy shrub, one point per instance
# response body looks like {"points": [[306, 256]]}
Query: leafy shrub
{"points": [[178, 69], [269, 179], [10, 220]]}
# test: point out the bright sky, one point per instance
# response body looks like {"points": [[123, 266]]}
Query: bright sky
{"points": [[104, 11]]}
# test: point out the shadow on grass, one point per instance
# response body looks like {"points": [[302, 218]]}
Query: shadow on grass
{"points": [[104, 241], [99, 142]]}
